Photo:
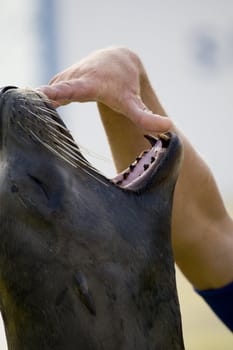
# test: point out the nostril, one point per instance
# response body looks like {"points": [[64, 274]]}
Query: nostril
{"points": [[6, 88]]}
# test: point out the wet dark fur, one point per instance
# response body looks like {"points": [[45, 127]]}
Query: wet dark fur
{"points": [[83, 264]]}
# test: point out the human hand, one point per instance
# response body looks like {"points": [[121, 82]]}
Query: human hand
{"points": [[113, 77]]}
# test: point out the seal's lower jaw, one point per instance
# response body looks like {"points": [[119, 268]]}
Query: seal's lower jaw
{"points": [[139, 174]]}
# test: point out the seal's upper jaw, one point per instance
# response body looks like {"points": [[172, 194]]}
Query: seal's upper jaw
{"points": [[150, 163], [39, 123]]}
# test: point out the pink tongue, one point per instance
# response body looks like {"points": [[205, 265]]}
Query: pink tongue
{"points": [[132, 177]]}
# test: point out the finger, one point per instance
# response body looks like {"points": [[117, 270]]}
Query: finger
{"points": [[144, 118], [68, 91]]}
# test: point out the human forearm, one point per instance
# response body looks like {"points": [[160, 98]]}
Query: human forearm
{"points": [[201, 227], [125, 137]]}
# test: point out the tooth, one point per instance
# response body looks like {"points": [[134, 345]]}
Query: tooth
{"points": [[119, 182], [132, 166], [125, 175], [164, 137], [146, 166], [151, 139]]}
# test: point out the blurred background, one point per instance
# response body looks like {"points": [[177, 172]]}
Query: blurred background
{"points": [[187, 49]]}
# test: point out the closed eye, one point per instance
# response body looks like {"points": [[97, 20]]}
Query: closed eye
{"points": [[40, 184]]}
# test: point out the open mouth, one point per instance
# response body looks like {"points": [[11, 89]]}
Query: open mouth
{"points": [[42, 123], [138, 174]]}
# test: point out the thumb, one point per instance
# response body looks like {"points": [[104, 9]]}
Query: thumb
{"points": [[138, 112], [64, 92]]}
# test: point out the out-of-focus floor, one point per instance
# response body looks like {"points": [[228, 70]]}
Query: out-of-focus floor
{"points": [[201, 328]]}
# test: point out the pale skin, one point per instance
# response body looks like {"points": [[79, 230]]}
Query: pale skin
{"points": [[202, 230]]}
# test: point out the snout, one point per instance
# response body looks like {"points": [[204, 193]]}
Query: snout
{"points": [[6, 88]]}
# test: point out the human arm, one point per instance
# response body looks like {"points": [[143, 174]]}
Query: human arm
{"points": [[202, 231]]}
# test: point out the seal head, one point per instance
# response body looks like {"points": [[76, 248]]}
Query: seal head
{"points": [[85, 261]]}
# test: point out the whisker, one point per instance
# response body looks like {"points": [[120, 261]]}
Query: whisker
{"points": [[85, 149], [51, 121], [66, 148], [93, 154], [71, 145], [45, 144], [20, 124], [63, 146], [47, 118], [35, 97], [74, 144], [51, 149], [47, 110], [75, 158], [75, 165], [58, 132]]}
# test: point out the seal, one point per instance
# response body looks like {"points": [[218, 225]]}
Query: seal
{"points": [[85, 262]]}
